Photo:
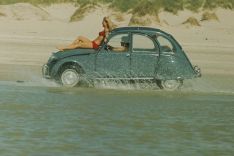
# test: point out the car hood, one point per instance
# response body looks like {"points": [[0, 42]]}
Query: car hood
{"points": [[75, 52]]}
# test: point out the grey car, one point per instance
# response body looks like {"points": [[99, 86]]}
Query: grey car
{"points": [[130, 53]]}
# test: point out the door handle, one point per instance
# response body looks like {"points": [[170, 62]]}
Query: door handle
{"points": [[127, 55]]}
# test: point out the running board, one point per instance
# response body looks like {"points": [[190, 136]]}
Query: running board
{"points": [[148, 78]]}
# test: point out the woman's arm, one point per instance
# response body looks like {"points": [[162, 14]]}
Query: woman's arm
{"points": [[106, 30]]}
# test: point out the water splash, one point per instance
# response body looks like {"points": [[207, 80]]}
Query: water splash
{"points": [[210, 84], [124, 85], [206, 84], [222, 84]]}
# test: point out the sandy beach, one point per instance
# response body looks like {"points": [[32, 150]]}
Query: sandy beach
{"points": [[29, 35], [40, 118]]}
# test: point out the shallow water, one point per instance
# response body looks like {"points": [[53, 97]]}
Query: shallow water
{"points": [[40, 119]]}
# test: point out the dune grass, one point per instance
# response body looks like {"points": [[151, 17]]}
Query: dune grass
{"points": [[34, 1], [191, 21], [208, 16], [126, 5], [173, 6], [2, 14], [80, 13], [227, 4], [138, 8]]}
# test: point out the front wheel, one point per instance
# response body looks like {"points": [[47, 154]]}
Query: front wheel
{"points": [[170, 84], [69, 77]]}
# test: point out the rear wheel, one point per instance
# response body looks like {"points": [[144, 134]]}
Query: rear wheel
{"points": [[69, 77], [170, 84]]}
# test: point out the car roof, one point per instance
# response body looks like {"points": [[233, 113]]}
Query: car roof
{"points": [[138, 29]]}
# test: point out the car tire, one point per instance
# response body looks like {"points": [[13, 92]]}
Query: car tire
{"points": [[69, 77], [170, 85]]}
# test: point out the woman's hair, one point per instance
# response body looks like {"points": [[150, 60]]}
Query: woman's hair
{"points": [[110, 24]]}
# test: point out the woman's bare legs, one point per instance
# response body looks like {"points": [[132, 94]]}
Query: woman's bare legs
{"points": [[82, 39], [71, 46], [80, 42]]}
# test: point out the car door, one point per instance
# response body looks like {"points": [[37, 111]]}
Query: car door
{"points": [[144, 56], [111, 62]]}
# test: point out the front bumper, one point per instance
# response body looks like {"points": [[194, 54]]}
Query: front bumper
{"points": [[46, 72], [197, 71]]}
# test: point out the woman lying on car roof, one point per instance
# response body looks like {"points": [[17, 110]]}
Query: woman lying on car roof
{"points": [[83, 42]]}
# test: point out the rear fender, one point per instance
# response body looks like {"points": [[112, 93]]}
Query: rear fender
{"points": [[172, 67]]}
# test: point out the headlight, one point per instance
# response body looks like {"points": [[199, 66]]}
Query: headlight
{"points": [[198, 71], [52, 58]]}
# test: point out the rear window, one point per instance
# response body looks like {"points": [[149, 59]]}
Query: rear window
{"points": [[165, 44], [143, 43]]}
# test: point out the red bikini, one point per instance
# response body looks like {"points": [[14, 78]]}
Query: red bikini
{"points": [[95, 45], [102, 33]]}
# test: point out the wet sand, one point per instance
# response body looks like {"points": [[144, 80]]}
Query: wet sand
{"points": [[39, 118]]}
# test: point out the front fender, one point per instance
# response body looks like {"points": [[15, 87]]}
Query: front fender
{"points": [[85, 62], [59, 66]]}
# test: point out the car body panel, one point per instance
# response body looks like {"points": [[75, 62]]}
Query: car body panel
{"points": [[143, 64], [112, 64]]}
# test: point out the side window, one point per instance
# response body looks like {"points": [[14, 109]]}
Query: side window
{"points": [[119, 43], [143, 43], [165, 44]]}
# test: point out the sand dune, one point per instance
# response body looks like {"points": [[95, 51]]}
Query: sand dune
{"points": [[29, 34], [23, 11]]}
